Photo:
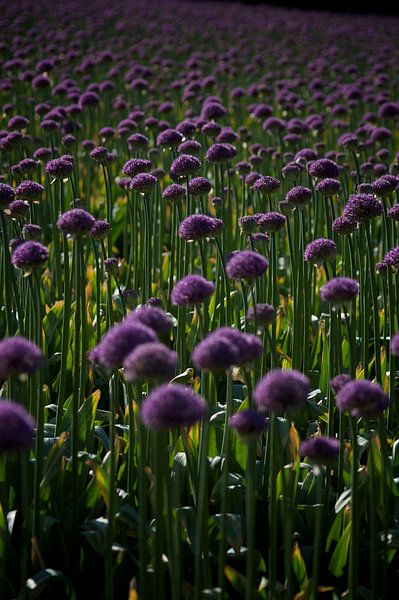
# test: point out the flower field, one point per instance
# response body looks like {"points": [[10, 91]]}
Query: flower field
{"points": [[199, 292]]}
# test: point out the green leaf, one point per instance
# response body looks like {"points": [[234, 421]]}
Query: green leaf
{"points": [[340, 554], [299, 567]]}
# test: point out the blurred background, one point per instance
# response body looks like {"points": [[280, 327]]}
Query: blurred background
{"points": [[349, 6]]}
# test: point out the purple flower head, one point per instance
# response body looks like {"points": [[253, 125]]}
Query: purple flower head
{"points": [[30, 231], [249, 346], [338, 382], [322, 450], [381, 268], [19, 356], [192, 289], [184, 165], [134, 166], [213, 110], [246, 264], [328, 187], [220, 153], [172, 406], [29, 190], [248, 223], [18, 209], [258, 240], [271, 221], [143, 183], [7, 194], [344, 225], [199, 226], [18, 122], [298, 196], [211, 129], [76, 222], [362, 207], [267, 185], [99, 155], [151, 361], [29, 255], [307, 154], [100, 230], [89, 99], [362, 398], [119, 341], [153, 317], [170, 138], [16, 427], [265, 314], [174, 193], [385, 185], [281, 391], [248, 424], [323, 167], [215, 353], [393, 212], [318, 251], [199, 186], [59, 168], [291, 171], [348, 140], [191, 147], [395, 344], [138, 140], [391, 258], [339, 290], [27, 166]]}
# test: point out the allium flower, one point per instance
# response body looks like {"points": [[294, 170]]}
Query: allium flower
{"points": [[119, 341], [381, 268], [89, 99], [385, 185], [192, 289], [30, 231], [328, 187], [318, 251], [248, 424], [391, 258], [174, 192], [323, 167], [266, 185], [170, 138], [282, 390], [271, 221], [265, 314], [190, 147], [99, 155], [339, 290], [199, 226], [7, 195], [172, 406], [150, 361], [134, 166], [199, 186], [19, 356], [298, 196], [16, 427], [100, 230], [393, 212], [184, 165], [76, 222], [362, 398], [362, 207], [28, 190], [220, 153], [246, 264], [395, 344], [344, 225], [321, 449], [59, 168], [215, 353], [249, 346], [338, 382], [153, 317], [18, 209], [143, 183], [29, 255], [248, 223], [138, 140]]}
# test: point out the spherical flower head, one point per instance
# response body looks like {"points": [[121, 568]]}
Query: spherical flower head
{"points": [[143, 183], [249, 346], [381, 268], [29, 190], [298, 196], [248, 224], [7, 195], [138, 140], [338, 382], [19, 357], [349, 141], [391, 258], [190, 147], [184, 166], [174, 193], [321, 450], [134, 166], [328, 187], [339, 290], [89, 99], [246, 264], [153, 317], [282, 390], [100, 230], [199, 186], [385, 185], [30, 231], [393, 212], [149, 362], [362, 398], [76, 222], [99, 155], [27, 165], [16, 427], [169, 138], [323, 167], [199, 226], [215, 353], [395, 344], [172, 406], [220, 153], [362, 207], [318, 251], [344, 225], [192, 289], [59, 168], [266, 185], [119, 341], [18, 209], [271, 221], [248, 424], [265, 314], [291, 171], [29, 255]]}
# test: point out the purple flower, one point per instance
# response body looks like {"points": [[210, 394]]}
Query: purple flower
{"points": [[220, 153], [391, 258], [199, 186], [170, 138], [271, 221], [99, 155], [249, 346], [266, 185], [339, 381], [30, 231], [321, 449], [215, 353], [323, 167], [248, 424], [199, 226], [153, 317], [184, 165], [138, 140], [385, 185], [265, 314], [362, 207], [246, 264], [59, 168], [344, 225], [76, 222], [298, 196], [362, 398], [143, 183], [29, 255], [19, 356], [18, 209], [192, 289], [16, 427], [339, 290], [174, 192], [134, 166], [100, 230], [150, 361], [318, 251], [248, 223], [282, 390], [395, 344], [7, 195], [172, 406], [328, 187], [28, 190], [393, 212], [119, 341]]}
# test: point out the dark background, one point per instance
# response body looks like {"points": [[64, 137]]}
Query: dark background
{"points": [[350, 6]]}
